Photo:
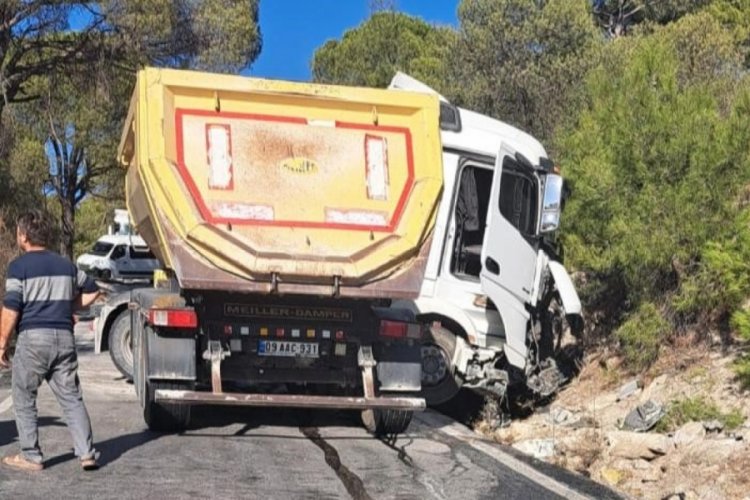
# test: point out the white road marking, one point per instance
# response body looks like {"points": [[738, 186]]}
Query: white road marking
{"points": [[445, 425]]}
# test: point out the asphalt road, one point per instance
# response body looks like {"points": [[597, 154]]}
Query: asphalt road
{"points": [[255, 453]]}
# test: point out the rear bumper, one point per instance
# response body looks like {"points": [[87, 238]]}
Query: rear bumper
{"points": [[289, 401]]}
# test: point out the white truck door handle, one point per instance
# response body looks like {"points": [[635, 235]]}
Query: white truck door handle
{"points": [[492, 266]]}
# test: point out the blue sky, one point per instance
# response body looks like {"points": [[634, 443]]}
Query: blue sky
{"points": [[293, 29]]}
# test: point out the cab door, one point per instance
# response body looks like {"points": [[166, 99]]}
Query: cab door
{"points": [[509, 252]]}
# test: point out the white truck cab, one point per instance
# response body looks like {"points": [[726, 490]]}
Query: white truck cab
{"points": [[494, 287]]}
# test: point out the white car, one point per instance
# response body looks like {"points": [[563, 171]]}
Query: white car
{"points": [[119, 257]]}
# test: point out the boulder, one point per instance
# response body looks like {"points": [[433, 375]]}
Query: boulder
{"points": [[636, 445], [641, 464], [689, 433], [711, 452], [564, 417], [612, 476], [628, 390], [537, 448], [655, 389], [713, 426]]}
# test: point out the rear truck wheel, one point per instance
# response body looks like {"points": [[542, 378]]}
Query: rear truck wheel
{"points": [[439, 380], [121, 344], [165, 417], [386, 422]]}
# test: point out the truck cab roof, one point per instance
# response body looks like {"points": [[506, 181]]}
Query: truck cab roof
{"points": [[478, 133]]}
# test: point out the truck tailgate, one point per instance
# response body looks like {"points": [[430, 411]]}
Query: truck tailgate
{"points": [[258, 185]]}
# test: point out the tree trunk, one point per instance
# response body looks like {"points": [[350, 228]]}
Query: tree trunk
{"points": [[67, 226]]}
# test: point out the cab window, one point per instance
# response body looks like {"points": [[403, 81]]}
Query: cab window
{"points": [[101, 249], [138, 253], [118, 252], [518, 199]]}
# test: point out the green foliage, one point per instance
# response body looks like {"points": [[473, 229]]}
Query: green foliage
{"points": [[697, 409], [657, 160], [740, 322], [651, 130], [69, 90], [742, 370], [522, 60], [642, 334], [93, 215], [721, 280], [216, 35], [735, 16], [625, 17], [387, 42]]}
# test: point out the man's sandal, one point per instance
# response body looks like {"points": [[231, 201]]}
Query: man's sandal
{"points": [[19, 462], [89, 464]]}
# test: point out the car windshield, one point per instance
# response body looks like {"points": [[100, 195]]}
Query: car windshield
{"points": [[101, 248]]}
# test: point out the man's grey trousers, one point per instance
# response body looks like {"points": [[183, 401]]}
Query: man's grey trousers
{"points": [[47, 354]]}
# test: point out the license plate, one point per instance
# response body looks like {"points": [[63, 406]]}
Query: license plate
{"points": [[288, 349]]}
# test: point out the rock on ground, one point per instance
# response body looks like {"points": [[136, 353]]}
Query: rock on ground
{"points": [[638, 445]]}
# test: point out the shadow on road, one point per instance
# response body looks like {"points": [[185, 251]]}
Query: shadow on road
{"points": [[112, 449], [8, 432], [207, 417]]}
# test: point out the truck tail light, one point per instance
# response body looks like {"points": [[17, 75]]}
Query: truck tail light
{"points": [[173, 318], [399, 329]]}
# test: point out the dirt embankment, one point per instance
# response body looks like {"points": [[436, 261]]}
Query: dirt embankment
{"points": [[699, 446]]}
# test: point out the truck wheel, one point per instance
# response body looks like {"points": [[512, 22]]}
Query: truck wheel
{"points": [[121, 344], [165, 417], [386, 422], [439, 381]]}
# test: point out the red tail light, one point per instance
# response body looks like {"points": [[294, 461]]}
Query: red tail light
{"points": [[399, 329], [173, 318], [393, 329]]}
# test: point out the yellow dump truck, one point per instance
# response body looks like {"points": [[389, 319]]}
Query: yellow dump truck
{"points": [[287, 217]]}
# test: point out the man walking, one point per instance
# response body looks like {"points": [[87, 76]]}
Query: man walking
{"points": [[42, 291]]}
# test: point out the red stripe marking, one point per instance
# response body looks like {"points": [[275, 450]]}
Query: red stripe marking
{"points": [[208, 215]]}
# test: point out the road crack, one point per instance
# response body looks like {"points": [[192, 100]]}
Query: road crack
{"points": [[351, 481]]}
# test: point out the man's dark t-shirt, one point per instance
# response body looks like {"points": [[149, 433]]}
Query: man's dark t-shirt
{"points": [[41, 286]]}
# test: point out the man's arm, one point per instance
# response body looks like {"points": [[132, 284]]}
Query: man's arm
{"points": [[8, 323], [85, 299], [12, 304], [89, 291]]}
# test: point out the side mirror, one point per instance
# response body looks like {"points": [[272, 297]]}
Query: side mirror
{"points": [[552, 204]]}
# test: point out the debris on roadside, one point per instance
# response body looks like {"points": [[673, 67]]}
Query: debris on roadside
{"points": [[649, 437], [644, 417]]}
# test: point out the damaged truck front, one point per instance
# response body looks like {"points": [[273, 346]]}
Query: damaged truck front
{"points": [[495, 294], [287, 218]]}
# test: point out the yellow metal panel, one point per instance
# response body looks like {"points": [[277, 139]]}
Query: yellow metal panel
{"points": [[293, 195]]}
